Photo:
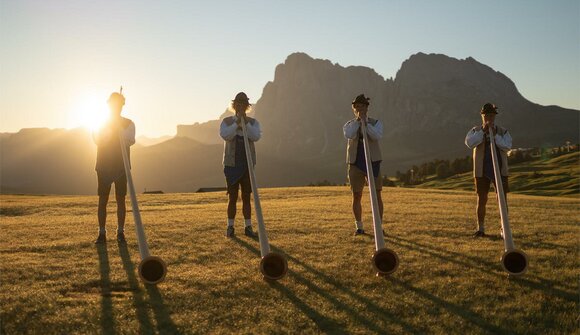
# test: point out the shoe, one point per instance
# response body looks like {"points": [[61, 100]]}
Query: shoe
{"points": [[249, 232], [121, 238], [479, 233], [102, 239], [359, 232], [230, 231]]}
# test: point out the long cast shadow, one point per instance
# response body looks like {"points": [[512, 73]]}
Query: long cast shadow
{"points": [[461, 311], [145, 326], [165, 324], [107, 319], [379, 312], [492, 268]]}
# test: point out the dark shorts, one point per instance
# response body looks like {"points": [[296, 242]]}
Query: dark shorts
{"points": [[244, 182], [483, 184], [105, 182]]}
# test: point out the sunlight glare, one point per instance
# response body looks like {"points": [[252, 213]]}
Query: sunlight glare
{"points": [[90, 111]]}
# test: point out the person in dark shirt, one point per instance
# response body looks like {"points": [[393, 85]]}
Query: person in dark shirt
{"points": [[355, 157], [478, 139], [109, 167], [235, 162]]}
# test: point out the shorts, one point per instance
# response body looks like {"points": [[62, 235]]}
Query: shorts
{"points": [[483, 184], [105, 182], [244, 182], [357, 179]]}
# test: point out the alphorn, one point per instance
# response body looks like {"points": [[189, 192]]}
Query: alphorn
{"points": [[152, 269], [384, 260], [273, 265], [513, 260]]}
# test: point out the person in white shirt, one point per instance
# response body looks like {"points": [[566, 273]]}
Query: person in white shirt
{"points": [[234, 160], [110, 168], [478, 139], [355, 157]]}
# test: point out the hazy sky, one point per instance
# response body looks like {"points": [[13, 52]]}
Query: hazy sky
{"points": [[181, 62]]}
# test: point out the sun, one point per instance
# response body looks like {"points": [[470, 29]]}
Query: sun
{"points": [[90, 111]]}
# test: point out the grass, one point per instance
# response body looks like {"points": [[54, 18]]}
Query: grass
{"points": [[54, 280], [559, 176]]}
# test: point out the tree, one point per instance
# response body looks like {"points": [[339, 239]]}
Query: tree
{"points": [[442, 170]]}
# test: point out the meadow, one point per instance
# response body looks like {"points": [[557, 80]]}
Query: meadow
{"points": [[54, 280]]}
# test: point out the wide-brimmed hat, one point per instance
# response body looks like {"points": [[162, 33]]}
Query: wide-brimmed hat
{"points": [[241, 97], [489, 108], [361, 99]]}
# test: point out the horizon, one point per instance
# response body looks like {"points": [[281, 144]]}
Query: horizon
{"points": [[182, 63]]}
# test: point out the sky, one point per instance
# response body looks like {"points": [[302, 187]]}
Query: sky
{"points": [[181, 62]]}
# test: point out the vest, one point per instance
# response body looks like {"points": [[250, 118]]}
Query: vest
{"points": [[479, 153], [230, 146], [352, 145]]}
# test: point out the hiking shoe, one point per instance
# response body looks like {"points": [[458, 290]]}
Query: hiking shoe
{"points": [[230, 231], [359, 232], [121, 238], [249, 232], [101, 239], [479, 233]]}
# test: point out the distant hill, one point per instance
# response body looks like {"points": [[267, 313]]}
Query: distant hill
{"points": [[559, 176], [427, 110]]}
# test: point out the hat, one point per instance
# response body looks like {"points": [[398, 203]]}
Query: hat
{"points": [[489, 108], [116, 98], [361, 99], [241, 97]]}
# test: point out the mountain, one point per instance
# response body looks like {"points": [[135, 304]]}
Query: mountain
{"points": [[147, 141], [427, 109]]}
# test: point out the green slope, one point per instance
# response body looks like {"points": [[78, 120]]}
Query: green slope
{"points": [[559, 176]]}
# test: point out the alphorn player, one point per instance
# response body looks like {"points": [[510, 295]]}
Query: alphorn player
{"points": [[478, 140], [109, 167], [355, 157], [235, 163]]}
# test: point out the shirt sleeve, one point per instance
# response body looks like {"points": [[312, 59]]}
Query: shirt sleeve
{"points": [[129, 134], [375, 132], [474, 137], [228, 132], [350, 129], [503, 142], [254, 132]]}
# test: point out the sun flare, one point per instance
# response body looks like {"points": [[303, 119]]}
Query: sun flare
{"points": [[90, 111]]}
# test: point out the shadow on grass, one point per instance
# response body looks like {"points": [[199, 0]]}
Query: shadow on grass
{"points": [[164, 323], [107, 320], [326, 324], [458, 310], [487, 267]]}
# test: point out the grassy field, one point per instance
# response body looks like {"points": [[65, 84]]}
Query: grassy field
{"points": [[559, 176], [54, 280]]}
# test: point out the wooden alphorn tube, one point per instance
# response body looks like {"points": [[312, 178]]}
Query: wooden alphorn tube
{"points": [[273, 265], [152, 269], [384, 260], [513, 260]]}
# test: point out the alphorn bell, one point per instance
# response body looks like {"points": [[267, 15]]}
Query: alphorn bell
{"points": [[513, 260], [384, 260], [152, 269], [273, 265]]}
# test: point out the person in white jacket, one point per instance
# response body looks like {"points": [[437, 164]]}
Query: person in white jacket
{"points": [[355, 157], [110, 168], [478, 139], [235, 163]]}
